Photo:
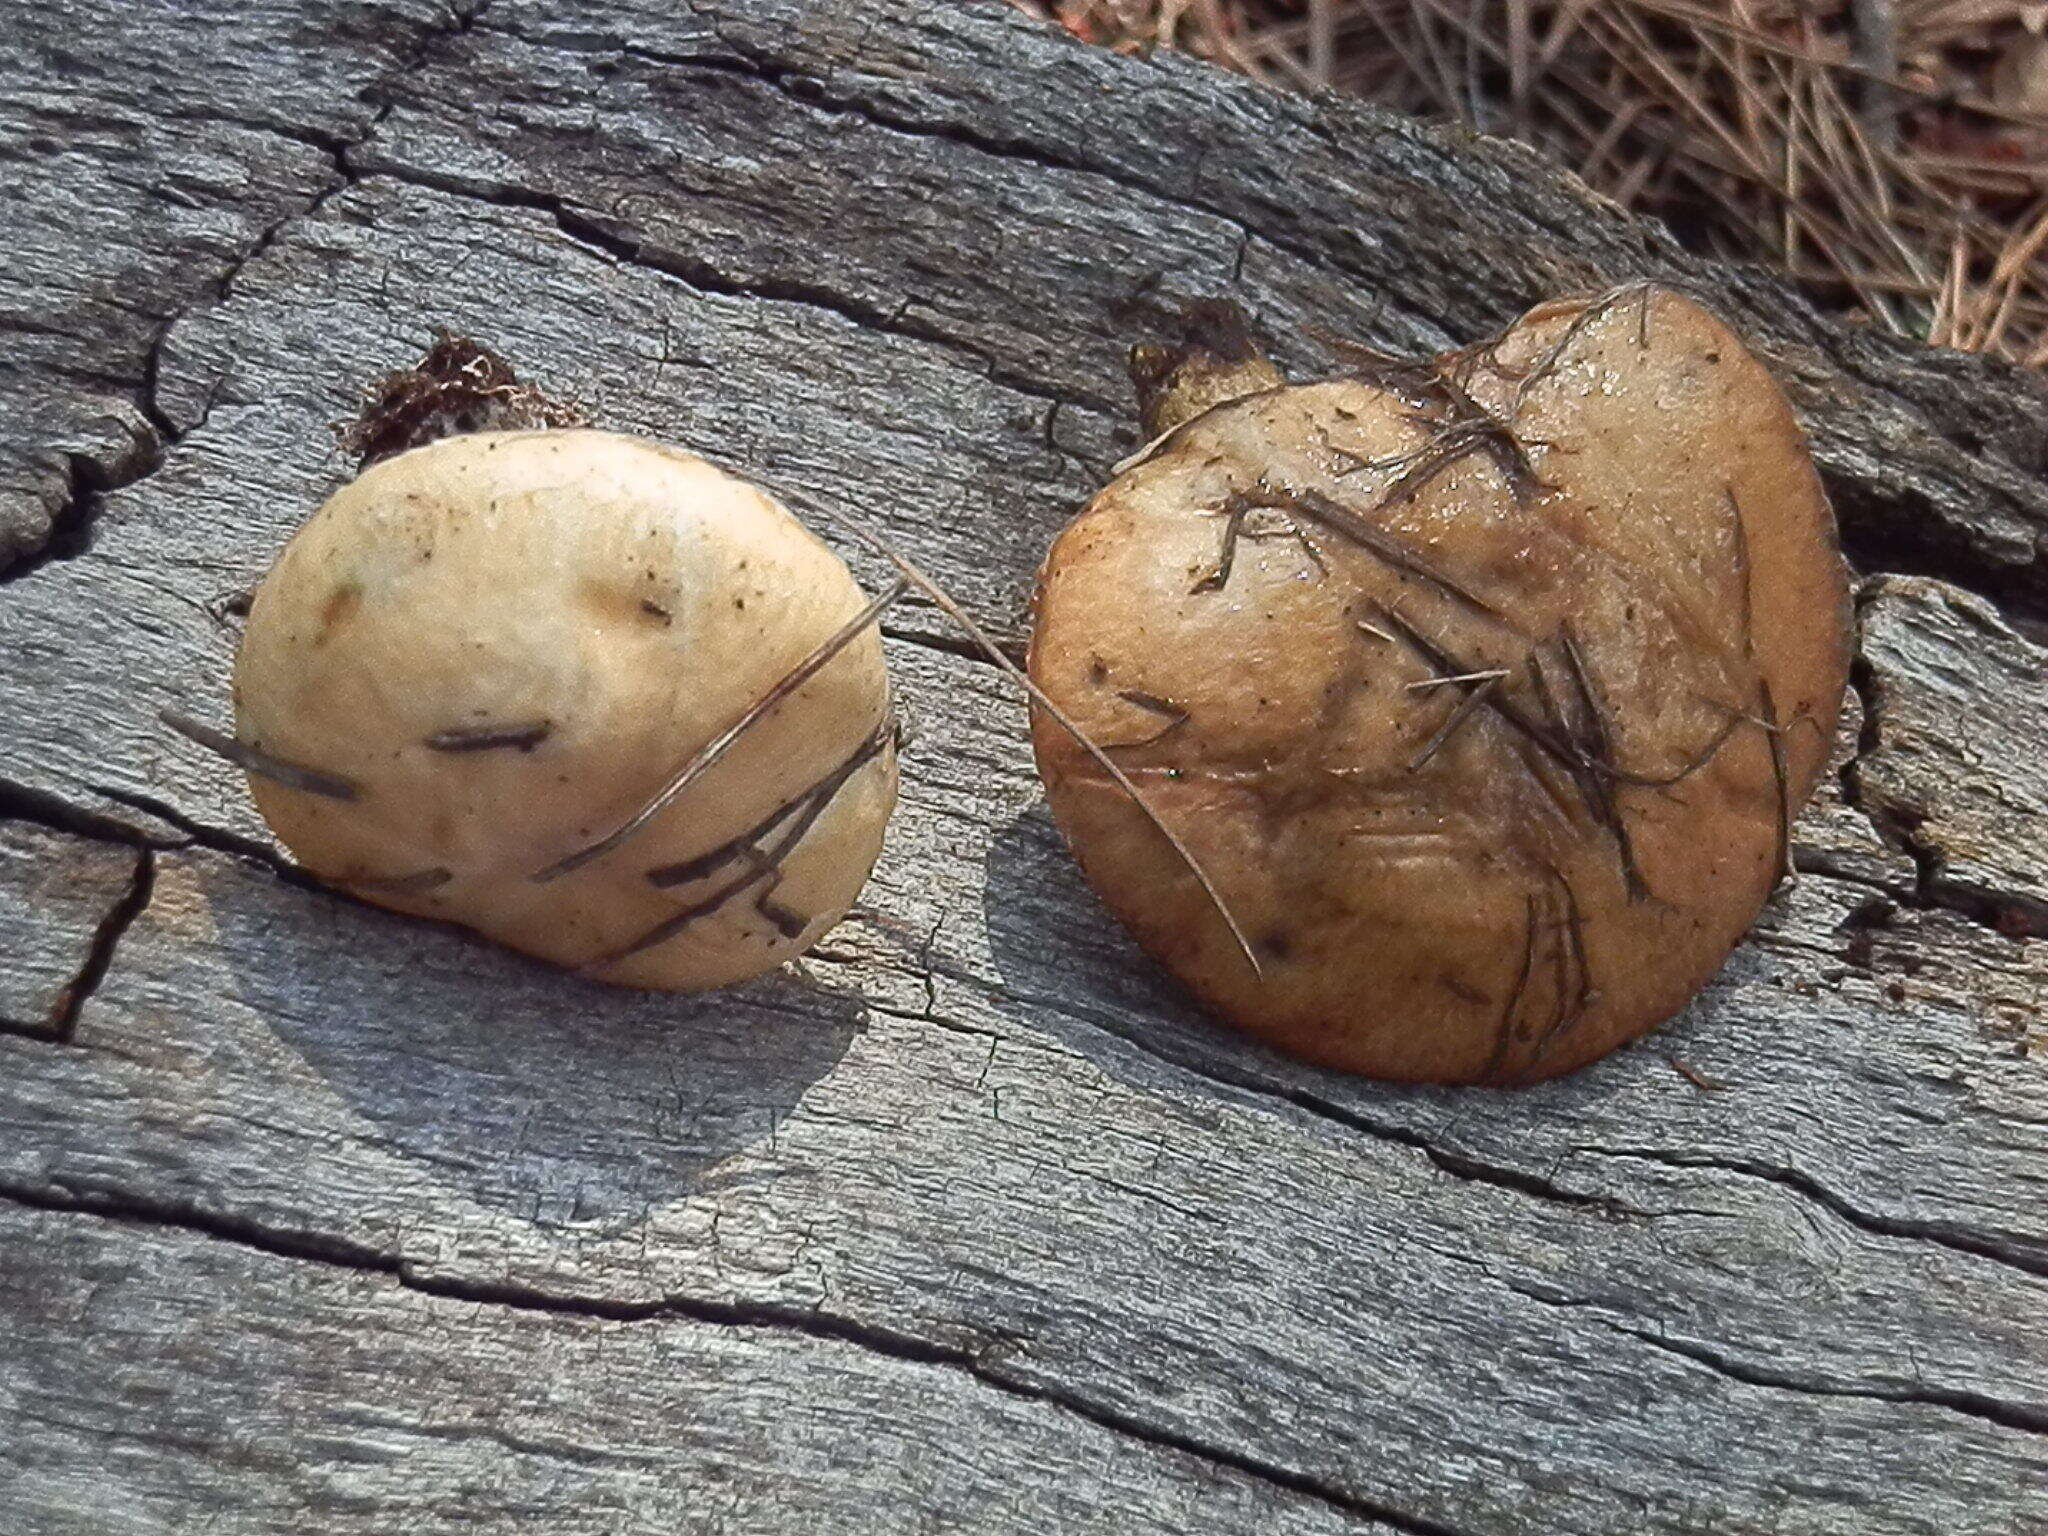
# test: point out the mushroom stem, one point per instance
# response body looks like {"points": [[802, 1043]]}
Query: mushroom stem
{"points": [[1214, 361], [459, 386]]}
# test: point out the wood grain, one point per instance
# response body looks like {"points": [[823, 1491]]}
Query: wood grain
{"points": [[63, 902], [327, 1220]]}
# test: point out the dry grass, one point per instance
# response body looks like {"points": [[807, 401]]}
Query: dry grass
{"points": [[1892, 155]]}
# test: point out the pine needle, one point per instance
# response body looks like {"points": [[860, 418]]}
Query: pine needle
{"points": [[1876, 151]]}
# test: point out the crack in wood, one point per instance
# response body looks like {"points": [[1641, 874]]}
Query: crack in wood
{"points": [[2012, 914], [1458, 1164], [26, 802], [617, 241], [2014, 1253], [60, 1024], [88, 480], [812, 91], [78, 1199], [106, 939], [1975, 1405]]}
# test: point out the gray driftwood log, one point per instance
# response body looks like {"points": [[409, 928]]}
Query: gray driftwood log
{"points": [[312, 1219]]}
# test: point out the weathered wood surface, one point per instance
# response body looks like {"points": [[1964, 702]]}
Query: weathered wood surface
{"points": [[61, 899], [316, 1219]]}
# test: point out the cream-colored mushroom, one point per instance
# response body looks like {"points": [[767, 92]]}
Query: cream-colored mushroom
{"points": [[480, 660]]}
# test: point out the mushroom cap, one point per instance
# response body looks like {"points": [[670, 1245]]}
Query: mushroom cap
{"points": [[1494, 879], [508, 642]]}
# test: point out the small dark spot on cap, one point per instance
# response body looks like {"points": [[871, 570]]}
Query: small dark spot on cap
{"points": [[523, 738], [340, 607], [1460, 991]]}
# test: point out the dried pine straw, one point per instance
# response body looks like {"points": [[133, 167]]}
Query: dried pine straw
{"points": [[1890, 155]]}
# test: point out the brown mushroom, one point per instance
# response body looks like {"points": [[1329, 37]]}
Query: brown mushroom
{"points": [[1482, 688]]}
